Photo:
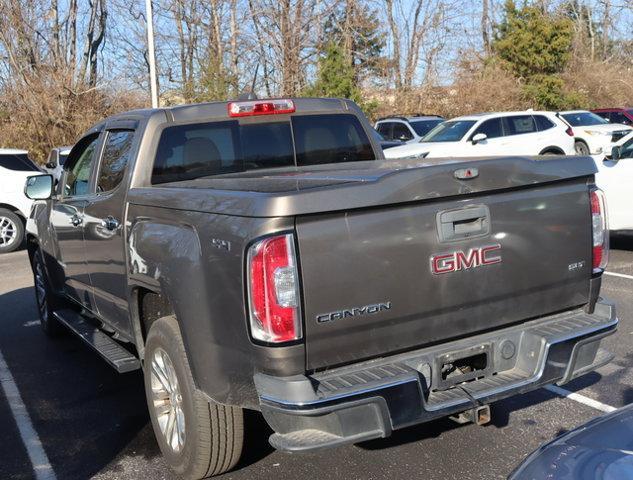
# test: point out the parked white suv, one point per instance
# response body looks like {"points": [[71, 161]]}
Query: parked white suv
{"points": [[501, 133], [594, 134], [15, 167], [615, 177], [407, 129]]}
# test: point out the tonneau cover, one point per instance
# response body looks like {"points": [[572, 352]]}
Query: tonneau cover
{"points": [[345, 186]]}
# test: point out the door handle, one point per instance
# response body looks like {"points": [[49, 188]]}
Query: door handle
{"points": [[110, 223], [76, 220]]}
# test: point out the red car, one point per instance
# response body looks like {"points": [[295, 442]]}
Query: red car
{"points": [[616, 115]]}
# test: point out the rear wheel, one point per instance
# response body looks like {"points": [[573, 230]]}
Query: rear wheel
{"points": [[46, 301], [11, 231], [581, 148], [198, 439]]}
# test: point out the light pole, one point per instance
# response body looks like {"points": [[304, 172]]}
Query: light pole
{"points": [[153, 84]]}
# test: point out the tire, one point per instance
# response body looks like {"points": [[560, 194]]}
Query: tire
{"points": [[581, 148], [11, 231], [45, 300], [550, 152], [213, 435]]}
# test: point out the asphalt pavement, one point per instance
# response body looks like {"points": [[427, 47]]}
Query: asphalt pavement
{"points": [[91, 422]]}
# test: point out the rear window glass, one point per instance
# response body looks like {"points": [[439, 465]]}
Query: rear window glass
{"points": [[321, 139], [20, 163], [198, 150], [192, 151]]}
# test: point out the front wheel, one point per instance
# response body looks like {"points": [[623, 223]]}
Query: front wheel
{"points": [[11, 231], [198, 439], [581, 148], [46, 300]]}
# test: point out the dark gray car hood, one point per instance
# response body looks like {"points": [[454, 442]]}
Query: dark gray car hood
{"points": [[600, 449], [296, 191]]}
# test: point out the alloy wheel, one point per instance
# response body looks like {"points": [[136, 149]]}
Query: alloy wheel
{"points": [[8, 231], [167, 400]]}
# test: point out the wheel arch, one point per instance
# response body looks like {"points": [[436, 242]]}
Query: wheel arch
{"points": [[552, 149], [15, 210]]}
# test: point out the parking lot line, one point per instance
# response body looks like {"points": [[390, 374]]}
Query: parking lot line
{"points": [[590, 402], [621, 275], [41, 466]]}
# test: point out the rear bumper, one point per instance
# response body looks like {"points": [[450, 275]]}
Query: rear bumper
{"points": [[371, 399]]}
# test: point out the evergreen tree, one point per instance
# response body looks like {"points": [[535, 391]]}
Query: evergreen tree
{"points": [[336, 78], [536, 46]]}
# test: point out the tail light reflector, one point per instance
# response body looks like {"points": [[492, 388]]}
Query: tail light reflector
{"points": [[600, 231], [273, 290], [260, 107]]}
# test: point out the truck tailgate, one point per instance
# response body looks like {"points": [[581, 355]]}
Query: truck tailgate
{"points": [[500, 257]]}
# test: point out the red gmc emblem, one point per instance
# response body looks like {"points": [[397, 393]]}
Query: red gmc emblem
{"points": [[460, 260]]}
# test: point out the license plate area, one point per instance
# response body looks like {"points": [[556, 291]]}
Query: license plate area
{"points": [[453, 368]]}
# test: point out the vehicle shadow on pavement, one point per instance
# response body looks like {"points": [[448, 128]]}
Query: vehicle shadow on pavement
{"points": [[83, 411], [621, 241]]}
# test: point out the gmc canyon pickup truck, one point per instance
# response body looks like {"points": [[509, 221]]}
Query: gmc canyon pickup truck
{"points": [[264, 255]]}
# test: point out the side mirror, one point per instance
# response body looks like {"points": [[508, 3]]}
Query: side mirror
{"points": [[616, 153], [39, 187], [480, 137]]}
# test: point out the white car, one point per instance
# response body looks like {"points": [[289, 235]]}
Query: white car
{"points": [[593, 134], [15, 167], [615, 177], [56, 159], [501, 133], [406, 129]]}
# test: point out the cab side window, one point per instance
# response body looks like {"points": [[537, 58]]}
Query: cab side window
{"points": [[543, 123], [491, 128], [401, 132], [519, 125], [77, 178], [619, 117], [385, 130], [116, 155]]}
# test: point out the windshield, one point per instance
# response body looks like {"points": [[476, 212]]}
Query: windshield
{"points": [[19, 162], [422, 127], [452, 131], [583, 119], [199, 150]]}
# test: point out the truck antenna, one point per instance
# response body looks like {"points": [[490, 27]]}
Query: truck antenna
{"points": [[250, 95]]}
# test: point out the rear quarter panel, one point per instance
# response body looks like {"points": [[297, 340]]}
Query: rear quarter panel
{"points": [[173, 252]]}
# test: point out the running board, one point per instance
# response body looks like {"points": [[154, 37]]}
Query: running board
{"points": [[113, 352]]}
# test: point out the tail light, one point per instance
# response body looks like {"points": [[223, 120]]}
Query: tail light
{"points": [[260, 107], [600, 231], [570, 131], [273, 290]]}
